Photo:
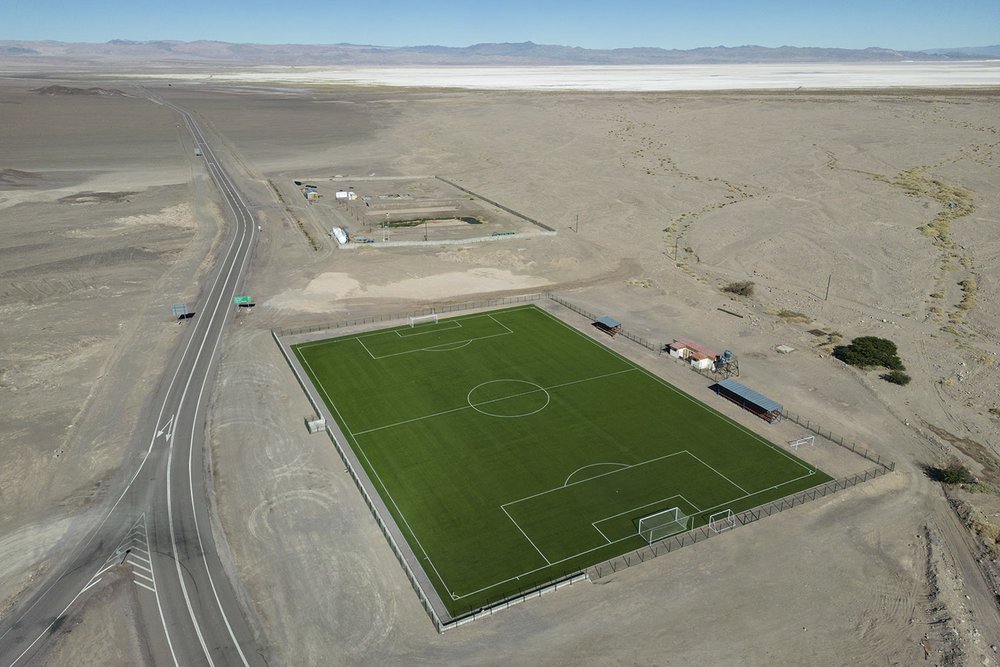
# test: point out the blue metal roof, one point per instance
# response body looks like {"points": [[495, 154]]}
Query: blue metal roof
{"points": [[609, 322], [749, 395]]}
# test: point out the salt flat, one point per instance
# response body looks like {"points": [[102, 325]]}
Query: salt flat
{"points": [[628, 77]]}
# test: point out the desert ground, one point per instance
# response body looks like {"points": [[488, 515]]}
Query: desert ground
{"points": [[888, 197]]}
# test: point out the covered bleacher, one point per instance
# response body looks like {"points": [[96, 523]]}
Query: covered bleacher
{"points": [[748, 399], [608, 325]]}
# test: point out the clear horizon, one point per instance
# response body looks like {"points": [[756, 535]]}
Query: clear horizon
{"points": [[852, 24]]}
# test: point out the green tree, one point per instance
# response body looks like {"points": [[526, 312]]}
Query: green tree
{"points": [[870, 352]]}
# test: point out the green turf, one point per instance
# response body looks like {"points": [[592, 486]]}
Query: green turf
{"points": [[512, 449]]}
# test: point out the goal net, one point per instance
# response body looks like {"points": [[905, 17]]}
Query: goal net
{"points": [[423, 319], [663, 524], [722, 521]]}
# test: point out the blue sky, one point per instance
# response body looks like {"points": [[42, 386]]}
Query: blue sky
{"points": [[682, 24]]}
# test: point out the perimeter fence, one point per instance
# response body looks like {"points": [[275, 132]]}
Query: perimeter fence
{"points": [[430, 310], [623, 332], [863, 452], [497, 204], [608, 567], [743, 518]]}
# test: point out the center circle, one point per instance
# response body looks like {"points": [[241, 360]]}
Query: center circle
{"points": [[508, 398]]}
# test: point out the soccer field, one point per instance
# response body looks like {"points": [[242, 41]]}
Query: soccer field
{"points": [[512, 449]]}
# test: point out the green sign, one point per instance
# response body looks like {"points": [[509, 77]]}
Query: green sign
{"points": [[242, 299]]}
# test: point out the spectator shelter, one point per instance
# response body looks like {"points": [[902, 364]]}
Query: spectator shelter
{"points": [[748, 399], [608, 325]]}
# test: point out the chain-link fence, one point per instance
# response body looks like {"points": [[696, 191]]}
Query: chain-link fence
{"points": [[623, 332], [440, 617], [741, 519], [834, 438]]}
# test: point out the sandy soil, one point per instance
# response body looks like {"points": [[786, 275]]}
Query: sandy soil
{"points": [[784, 190], [677, 194], [103, 222]]}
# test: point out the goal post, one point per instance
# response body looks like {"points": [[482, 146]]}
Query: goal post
{"points": [[663, 524], [722, 521], [423, 319], [804, 440]]}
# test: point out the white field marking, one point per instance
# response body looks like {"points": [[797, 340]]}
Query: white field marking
{"points": [[591, 465], [516, 525], [756, 493], [446, 347], [475, 406], [137, 556], [433, 348], [467, 405], [366, 348], [490, 315], [140, 574], [322, 388], [603, 546], [358, 448], [719, 473], [139, 583], [437, 327], [603, 474], [606, 538], [674, 389], [661, 501], [632, 367], [93, 583], [135, 549]]}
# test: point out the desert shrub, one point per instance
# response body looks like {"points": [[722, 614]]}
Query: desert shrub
{"points": [[740, 288], [956, 473], [896, 377], [870, 352]]}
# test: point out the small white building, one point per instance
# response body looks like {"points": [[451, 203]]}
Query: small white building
{"points": [[700, 356]]}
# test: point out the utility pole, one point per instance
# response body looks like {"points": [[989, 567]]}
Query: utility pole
{"points": [[828, 281]]}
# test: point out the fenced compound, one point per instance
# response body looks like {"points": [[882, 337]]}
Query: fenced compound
{"points": [[444, 620]]}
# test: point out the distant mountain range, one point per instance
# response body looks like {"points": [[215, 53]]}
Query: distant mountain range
{"points": [[132, 53]]}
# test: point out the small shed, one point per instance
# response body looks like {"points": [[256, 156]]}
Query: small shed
{"points": [[748, 399], [700, 356], [608, 325]]}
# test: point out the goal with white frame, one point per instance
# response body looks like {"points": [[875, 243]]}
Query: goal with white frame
{"points": [[663, 524], [722, 521], [804, 440], [423, 319]]}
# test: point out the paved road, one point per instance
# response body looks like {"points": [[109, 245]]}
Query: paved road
{"points": [[158, 530]]}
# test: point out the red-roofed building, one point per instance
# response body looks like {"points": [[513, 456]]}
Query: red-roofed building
{"points": [[700, 356]]}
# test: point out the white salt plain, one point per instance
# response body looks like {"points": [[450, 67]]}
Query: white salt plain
{"points": [[627, 78]]}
